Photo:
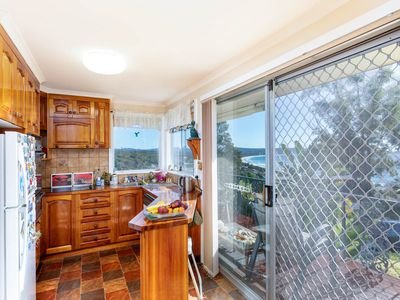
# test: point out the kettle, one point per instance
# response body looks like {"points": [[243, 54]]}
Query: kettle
{"points": [[186, 184]]}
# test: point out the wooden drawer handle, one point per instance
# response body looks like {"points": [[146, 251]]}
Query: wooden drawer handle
{"points": [[96, 238], [95, 212], [95, 200], [95, 226]]}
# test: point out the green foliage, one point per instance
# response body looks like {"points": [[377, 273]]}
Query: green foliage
{"points": [[136, 159]]}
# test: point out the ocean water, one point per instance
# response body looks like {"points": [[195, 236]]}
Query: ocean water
{"points": [[259, 161]]}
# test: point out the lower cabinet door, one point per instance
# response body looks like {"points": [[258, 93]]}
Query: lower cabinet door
{"points": [[127, 205], [58, 223]]}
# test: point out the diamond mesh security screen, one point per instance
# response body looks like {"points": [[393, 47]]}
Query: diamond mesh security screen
{"points": [[337, 180]]}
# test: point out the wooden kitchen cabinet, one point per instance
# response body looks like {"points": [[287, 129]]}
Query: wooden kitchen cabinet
{"points": [[43, 111], [127, 205], [65, 106], [18, 89], [102, 115], [58, 223], [70, 133], [78, 122], [8, 62]]}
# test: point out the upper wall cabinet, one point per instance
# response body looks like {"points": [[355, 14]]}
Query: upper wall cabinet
{"points": [[78, 122], [19, 89]]}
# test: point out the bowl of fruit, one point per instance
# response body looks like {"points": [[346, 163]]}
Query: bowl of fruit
{"points": [[162, 210]]}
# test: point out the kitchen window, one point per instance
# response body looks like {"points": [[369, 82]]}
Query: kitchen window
{"points": [[181, 156], [136, 148]]}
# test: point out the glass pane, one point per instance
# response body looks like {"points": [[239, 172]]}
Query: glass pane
{"points": [[337, 168], [241, 176], [188, 162], [176, 151], [136, 148]]}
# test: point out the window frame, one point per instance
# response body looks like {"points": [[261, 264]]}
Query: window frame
{"points": [[170, 150]]}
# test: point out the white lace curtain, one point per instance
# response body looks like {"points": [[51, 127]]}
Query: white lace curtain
{"points": [[178, 115], [137, 120]]}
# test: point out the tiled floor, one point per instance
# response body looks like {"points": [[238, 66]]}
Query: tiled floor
{"points": [[110, 274]]}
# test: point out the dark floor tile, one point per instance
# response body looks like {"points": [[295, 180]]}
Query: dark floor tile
{"points": [[91, 267], [47, 285], [133, 286], [93, 295], [91, 275], [72, 259], [127, 259], [47, 295], [69, 295], [114, 285], [209, 284], [237, 295], [112, 275], [132, 266], [125, 252], [107, 252], [51, 267], [135, 296], [68, 285], [90, 258], [49, 275]]}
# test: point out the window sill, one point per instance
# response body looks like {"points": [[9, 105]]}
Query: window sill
{"points": [[126, 172]]}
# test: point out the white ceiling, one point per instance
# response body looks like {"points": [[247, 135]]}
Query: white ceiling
{"points": [[169, 45]]}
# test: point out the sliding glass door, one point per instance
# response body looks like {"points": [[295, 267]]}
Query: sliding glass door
{"points": [[337, 174], [243, 228]]}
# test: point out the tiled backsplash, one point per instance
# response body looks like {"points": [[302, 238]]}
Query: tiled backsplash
{"points": [[72, 160]]}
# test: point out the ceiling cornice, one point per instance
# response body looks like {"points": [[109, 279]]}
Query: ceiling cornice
{"points": [[13, 32]]}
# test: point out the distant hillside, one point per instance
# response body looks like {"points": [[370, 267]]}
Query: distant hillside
{"points": [[135, 159], [251, 151]]}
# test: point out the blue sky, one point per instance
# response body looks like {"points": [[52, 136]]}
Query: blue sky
{"points": [[248, 131], [146, 139]]}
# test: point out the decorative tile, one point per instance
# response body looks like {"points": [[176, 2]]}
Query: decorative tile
{"points": [[69, 295], [125, 252], [49, 275], [51, 266], [112, 275], [107, 252], [93, 295], [71, 260], [114, 285], [130, 267], [67, 276], [118, 295], [127, 259], [47, 285], [68, 285], [91, 275], [91, 285], [110, 267], [132, 275], [89, 258], [133, 286], [91, 267], [109, 259], [47, 295], [71, 266]]}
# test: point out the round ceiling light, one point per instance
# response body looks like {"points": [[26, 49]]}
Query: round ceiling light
{"points": [[104, 62]]}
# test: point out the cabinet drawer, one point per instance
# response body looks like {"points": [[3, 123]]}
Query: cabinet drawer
{"points": [[94, 212], [95, 225], [95, 200], [95, 237]]}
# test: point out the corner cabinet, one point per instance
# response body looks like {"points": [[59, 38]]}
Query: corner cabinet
{"points": [[58, 223], [127, 205], [78, 122]]}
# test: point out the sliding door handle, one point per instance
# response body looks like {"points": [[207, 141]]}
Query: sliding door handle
{"points": [[268, 195]]}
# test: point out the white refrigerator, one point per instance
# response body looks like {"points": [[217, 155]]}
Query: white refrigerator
{"points": [[17, 217]]}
